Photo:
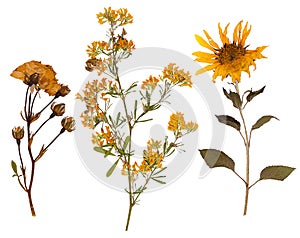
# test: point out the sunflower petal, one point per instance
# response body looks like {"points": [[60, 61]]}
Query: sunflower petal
{"points": [[245, 34], [237, 32], [223, 34], [205, 69], [203, 43], [211, 41], [205, 57]]}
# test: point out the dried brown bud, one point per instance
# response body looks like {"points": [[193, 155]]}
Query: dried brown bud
{"points": [[58, 109], [18, 133], [63, 91], [34, 79], [68, 123]]}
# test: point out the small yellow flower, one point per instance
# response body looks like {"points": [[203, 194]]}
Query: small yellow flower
{"points": [[120, 16], [177, 76], [232, 58], [176, 122], [150, 83]]}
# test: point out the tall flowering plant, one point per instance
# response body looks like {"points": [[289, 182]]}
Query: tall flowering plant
{"points": [[230, 60], [39, 79], [99, 96]]}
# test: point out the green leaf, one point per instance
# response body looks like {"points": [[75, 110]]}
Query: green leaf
{"points": [[253, 94], [160, 171], [112, 168], [127, 139], [14, 167], [276, 172], [103, 151], [234, 98], [158, 181], [216, 158], [135, 109], [263, 120], [229, 121]]}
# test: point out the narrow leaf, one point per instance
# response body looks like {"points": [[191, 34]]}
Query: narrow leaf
{"points": [[263, 120], [276, 172], [253, 94], [127, 139], [135, 109], [216, 158], [158, 181], [14, 167], [234, 98], [229, 121], [103, 151], [112, 168], [160, 171]]}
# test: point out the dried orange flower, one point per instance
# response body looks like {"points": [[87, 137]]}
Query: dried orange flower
{"points": [[176, 122], [119, 17], [177, 76], [150, 83], [232, 58], [40, 75]]}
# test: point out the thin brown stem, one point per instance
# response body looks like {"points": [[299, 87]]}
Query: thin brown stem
{"points": [[22, 169], [31, 203], [247, 145]]}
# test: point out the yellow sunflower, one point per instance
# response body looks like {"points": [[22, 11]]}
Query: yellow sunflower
{"points": [[232, 57]]}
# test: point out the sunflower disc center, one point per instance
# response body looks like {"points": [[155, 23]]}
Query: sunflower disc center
{"points": [[229, 53]]}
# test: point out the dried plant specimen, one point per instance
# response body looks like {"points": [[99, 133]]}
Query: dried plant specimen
{"points": [[99, 95], [230, 60], [39, 79]]}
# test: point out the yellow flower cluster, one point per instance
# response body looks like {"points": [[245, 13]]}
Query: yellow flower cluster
{"points": [[41, 76], [152, 159], [177, 76], [105, 137], [119, 17], [96, 48], [93, 92], [123, 44], [150, 83], [177, 124]]}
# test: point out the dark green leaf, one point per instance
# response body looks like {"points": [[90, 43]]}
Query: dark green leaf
{"points": [[14, 167], [261, 121], [276, 172], [234, 98], [112, 168], [253, 94], [216, 158], [229, 121]]}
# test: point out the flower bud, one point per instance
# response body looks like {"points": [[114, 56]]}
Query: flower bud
{"points": [[34, 79], [63, 91], [18, 133], [58, 109], [68, 123]]}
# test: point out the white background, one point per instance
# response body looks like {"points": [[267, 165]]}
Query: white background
{"points": [[70, 202]]}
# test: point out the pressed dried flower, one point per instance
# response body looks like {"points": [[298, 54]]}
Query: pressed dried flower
{"points": [[232, 58]]}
